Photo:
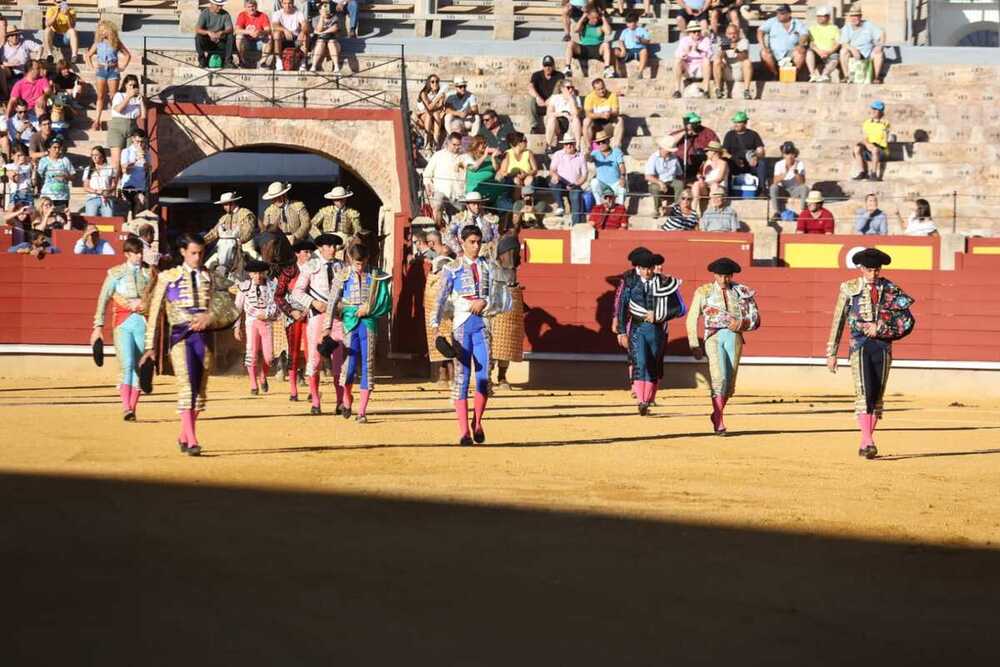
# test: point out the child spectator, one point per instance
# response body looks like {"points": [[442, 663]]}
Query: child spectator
{"points": [[66, 85], [871, 153], [636, 41], [108, 56]]}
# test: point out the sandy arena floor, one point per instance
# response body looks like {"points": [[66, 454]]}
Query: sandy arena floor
{"points": [[580, 533]]}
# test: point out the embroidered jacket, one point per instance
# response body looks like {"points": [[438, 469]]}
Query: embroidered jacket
{"points": [[184, 292], [240, 224], [660, 295], [256, 299], [858, 304], [488, 224], [351, 290], [719, 308], [292, 220], [123, 285], [327, 220], [316, 278], [460, 286]]}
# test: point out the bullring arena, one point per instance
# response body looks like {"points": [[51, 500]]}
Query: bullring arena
{"points": [[581, 531]]}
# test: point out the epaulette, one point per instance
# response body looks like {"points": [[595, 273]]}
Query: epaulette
{"points": [[379, 274], [343, 274], [852, 287], [454, 265], [116, 270]]}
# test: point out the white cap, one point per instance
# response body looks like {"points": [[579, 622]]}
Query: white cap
{"points": [[823, 10]]}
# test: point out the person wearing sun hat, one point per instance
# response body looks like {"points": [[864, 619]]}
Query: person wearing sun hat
{"points": [[693, 60], [823, 54], [475, 213], [235, 227], [214, 32], [255, 301], [690, 142], [875, 311], [727, 309], [861, 40], [283, 215], [338, 217], [714, 173], [815, 218]]}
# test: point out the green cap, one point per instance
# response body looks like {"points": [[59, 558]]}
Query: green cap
{"points": [[692, 117], [740, 117]]}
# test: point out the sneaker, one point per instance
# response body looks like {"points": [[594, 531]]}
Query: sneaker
{"points": [[677, 95], [303, 67], [860, 177], [747, 95], [568, 71], [609, 72], [823, 78], [814, 78]]}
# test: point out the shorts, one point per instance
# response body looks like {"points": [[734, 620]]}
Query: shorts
{"points": [[866, 154], [633, 54], [108, 73], [692, 69], [733, 72], [60, 39], [590, 52], [327, 37], [255, 43], [700, 16], [575, 13], [119, 131]]}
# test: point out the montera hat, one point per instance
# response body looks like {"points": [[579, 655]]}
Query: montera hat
{"points": [[146, 376], [304, 245], [659, 260], [724, 266], [256, 266], [275, 190], [327, 346], [871, 258], [636, 252], [97, 349], [228, 198], [329, 239], [646, 260], [444, 347]]}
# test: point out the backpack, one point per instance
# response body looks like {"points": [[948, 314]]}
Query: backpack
{"points": [[215, 61], [291, 58]]}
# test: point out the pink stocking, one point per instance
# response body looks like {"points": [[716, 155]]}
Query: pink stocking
{"points": [[479, 407], [133, 400], [252, 372], [125, 391], [462, 415], [187, 427], [639, 389], [865, 424], [314, 388], [363, 408], [348, 396]]}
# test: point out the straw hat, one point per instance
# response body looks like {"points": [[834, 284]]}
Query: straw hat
{"points": [[338, 193], [460, 81], [693, 26], [666, 143], [275, 190], [568, 138], [473, 198], [815, 197], [717, 191], [422, 221], [602, 136], [228, 198]]}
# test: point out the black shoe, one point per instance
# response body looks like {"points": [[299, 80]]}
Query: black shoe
{"points": [[183, 446], [315, 410], [346, 412], [202, 62], [362, 419], [264, 386], [677, 95], [860, 177], [466, 441], [868, 452], [339, 410], [479, 436], [194, 450], [643, 409], [129, 416], [254, 391], [293, 399]]}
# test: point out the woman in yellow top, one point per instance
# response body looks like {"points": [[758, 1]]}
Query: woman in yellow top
{"points": [[518, 166]]}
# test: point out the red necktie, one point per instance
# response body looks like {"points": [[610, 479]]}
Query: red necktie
{"points": [[475, 276]]}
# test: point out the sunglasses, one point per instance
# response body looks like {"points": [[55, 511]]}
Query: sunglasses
{"points": [[603, 141], [460, 85], [685, 198]]}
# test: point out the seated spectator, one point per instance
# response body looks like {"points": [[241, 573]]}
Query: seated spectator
{"points": [[647, 8], [823, 56], [443, 178], [719, 216], [608, 214], [782, 39], [815, 219], [594, 42], [572, 11], [128, 110], [691, 142], [20, 178], [133, 180], [862, 41], [729, 10], [682, 216], [920, 222], [430, 110], [664, 174], [568, 175], [56, 173], [714, 172], [528, 212], [732, 63], [609, 167], [67, 87], [46, 218], [38, 145], [38, 246], [150, 245], [541, 87], [326, 29], [352, 9], [693, 60], [564, 111], [109, 57], [60, 31], [871, 220], [602, 114], [101, 183], [462, 105], [518, 166], [789, 179], [481, 164], [16, 54], [693, 13], [253, 33], [91, 243], [871, 153], [214, 34], [635, 43], [290, 28], [747, 151], [21, 127], [33, 88], [494, 130]]}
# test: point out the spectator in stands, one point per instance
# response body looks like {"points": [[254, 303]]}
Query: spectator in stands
{"points": [[724, 9], [594, 43], [494, 130], [693, 60], [150, 245], [747, 151], [823, 56], [691, 142], [871, 153], [66, 81], [60, 31], [351, 8], [435, 243], [443, 179], [815, 219], [541, 87], [635, 45], [528, 212], [21, 178], [782, 39], [732, 63], [38, 246], [430, 110], [253, 33], [920, 222], [91, 243], [871, 220], [39, 142], [572, 11], [462, 105], [18, 219], [609, 167], [719, 216], [289, 25], [608, 214], [601, 114], [481, 164], [714, 172], [682, 217], [647, 8], [56, 172], [134, 161], [326, 29], [692, 13], [789, 179], [46, 218], [108, 56], [861, 40], [214, 34], [128, 110], [20, 127], [458, 127], [518, 166], [568, 174], [33, 88], [564, 114], [17, 53], [100, 180], [664, 174]]}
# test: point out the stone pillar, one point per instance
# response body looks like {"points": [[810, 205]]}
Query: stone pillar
{"points": [[503, 20], [422, 26], [950, 244], [765, 244], [31, 15], [189, 11]]}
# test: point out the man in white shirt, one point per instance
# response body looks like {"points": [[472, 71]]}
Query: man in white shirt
{"points": [[664, 174], [462, 105], [789, 179], [14, 58], [289, 25], [444, 178]]}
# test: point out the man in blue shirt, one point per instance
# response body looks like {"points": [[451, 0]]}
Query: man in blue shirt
{"points": [[636, 41], [871, 220], [862, 40], [609, 165], [782, 38]]}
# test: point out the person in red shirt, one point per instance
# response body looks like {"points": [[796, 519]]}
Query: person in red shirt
{"points": [[608, 214], [253, 31], [815, 219]]}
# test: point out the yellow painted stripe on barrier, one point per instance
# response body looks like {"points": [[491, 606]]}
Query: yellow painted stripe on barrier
{"points": [[105, 229], [986, 250], [812, 255], [912, 257], [545, 251]]}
